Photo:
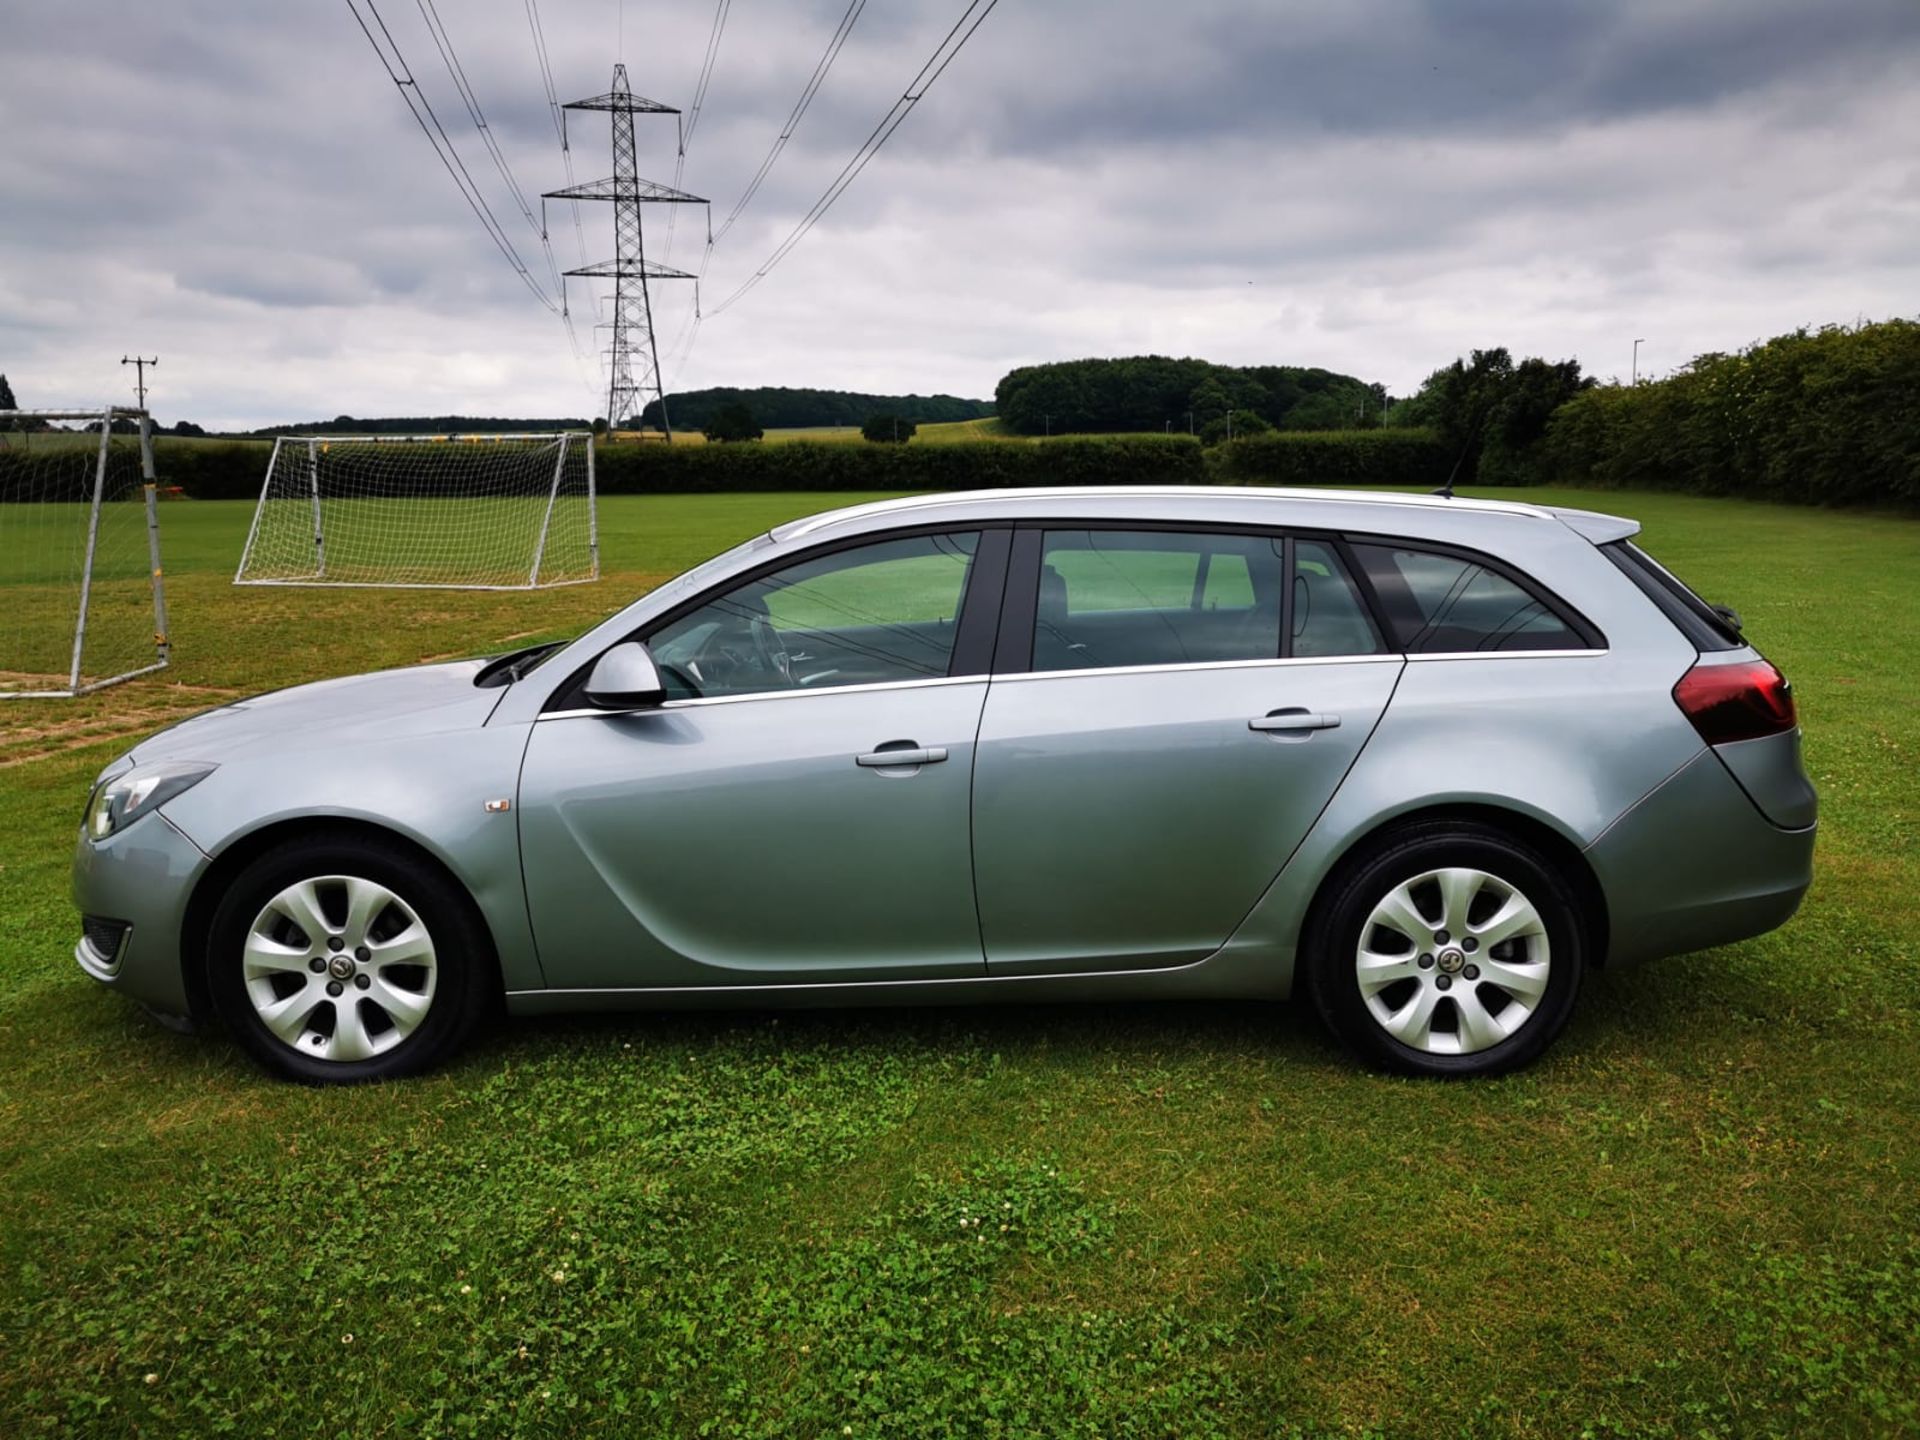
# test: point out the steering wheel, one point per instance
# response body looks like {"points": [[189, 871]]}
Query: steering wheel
{"points": [[769, 650]]}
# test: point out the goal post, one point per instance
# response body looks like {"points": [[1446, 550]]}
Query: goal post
{"points": [[474, 512], [85, 604]]}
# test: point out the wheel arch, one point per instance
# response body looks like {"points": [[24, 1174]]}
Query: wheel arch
{"points": [[1531, 830], [197, 925]]}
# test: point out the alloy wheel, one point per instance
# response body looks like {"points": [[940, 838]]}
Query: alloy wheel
{"points": [[339, 967], [1453, 961]]}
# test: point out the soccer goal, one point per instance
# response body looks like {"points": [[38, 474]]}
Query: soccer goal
{"points": [[79, 552], [476, 512]]}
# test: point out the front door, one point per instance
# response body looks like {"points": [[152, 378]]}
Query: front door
{"points": [[1139, 787], [798, 809]]}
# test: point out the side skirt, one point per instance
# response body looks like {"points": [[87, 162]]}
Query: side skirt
{"points": [[1230, 973]]}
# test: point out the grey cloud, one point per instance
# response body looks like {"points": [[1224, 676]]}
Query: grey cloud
{"points": [[1369, 186]]}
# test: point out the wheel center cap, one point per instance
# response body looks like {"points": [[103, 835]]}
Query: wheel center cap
{"points": [[1450, 961], [341, 967]]}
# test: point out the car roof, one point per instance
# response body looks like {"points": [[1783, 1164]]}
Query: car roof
{"points": [[1249, 504]]}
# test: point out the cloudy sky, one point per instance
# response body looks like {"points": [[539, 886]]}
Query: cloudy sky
{"points": [[1370, 185]]}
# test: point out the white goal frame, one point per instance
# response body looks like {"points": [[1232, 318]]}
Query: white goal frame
{"points": [[105, 417], [320, 578]]}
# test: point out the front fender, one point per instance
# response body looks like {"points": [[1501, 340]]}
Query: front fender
{"points": [[430, 789]]}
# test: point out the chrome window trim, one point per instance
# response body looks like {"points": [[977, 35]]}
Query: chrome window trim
{"points": [[1012, 677], [701, 702], [1510, 655], [1025, 676]]}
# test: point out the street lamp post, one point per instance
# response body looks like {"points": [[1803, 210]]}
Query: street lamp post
{"points": [[1638, 342]]}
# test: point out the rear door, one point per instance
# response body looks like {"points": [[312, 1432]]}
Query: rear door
{"points": [[1170, 711]]}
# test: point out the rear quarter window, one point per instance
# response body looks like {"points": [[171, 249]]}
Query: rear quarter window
{"points": [[1691, 616], [1448, 602]]}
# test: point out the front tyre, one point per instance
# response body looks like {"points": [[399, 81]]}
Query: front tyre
{"points": [[1448, 949], [336, 961]]}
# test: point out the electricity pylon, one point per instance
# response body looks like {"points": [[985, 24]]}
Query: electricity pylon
{"points": [[633, 369]]}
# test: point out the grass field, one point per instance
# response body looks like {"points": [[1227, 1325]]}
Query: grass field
{"points": [[1697, 1217]]}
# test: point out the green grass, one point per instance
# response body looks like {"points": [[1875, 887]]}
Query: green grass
{"points": [[1697, 1217]]}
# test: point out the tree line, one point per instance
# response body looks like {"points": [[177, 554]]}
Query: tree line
{"points": [[1156, 392], [779, 407]]}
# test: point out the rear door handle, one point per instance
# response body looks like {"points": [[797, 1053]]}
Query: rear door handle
{"points": [[902, 756], [1293, 720]]}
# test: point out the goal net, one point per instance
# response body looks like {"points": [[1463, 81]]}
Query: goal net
{"points": [[79, 552], [492, 512]]}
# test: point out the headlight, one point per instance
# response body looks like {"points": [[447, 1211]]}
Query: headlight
{"points": [[117, 803]]}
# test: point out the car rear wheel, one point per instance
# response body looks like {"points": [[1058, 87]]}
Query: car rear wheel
{"points": [[338, 961], [1448, 949]]}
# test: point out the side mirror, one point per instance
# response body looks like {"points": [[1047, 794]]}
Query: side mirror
{"points": [[625, 678]]}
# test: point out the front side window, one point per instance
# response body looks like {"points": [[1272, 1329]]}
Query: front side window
{"points": [[1444, 604], [1147, 597], [870, 615]]}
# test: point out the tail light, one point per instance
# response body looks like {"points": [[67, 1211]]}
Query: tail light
{"points": [[1741, 701]]}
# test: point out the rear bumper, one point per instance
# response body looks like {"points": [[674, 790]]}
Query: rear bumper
{"points": [[141, 878], [1695, 864]]}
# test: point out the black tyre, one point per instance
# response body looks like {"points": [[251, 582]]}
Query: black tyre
{"points": [[1447, 948], [339, 959]]}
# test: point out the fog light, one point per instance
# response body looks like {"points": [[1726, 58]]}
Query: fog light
{"points": [[104, 937]]}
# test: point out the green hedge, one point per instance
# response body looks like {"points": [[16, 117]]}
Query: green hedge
{"points": [[234, 469], [1826, 417], [643, 469], [212, 469], [1335, 457]]}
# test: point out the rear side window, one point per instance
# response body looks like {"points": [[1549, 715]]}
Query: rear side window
{"points": [[1112, 598], [1691, 615], [1329, 617], [1445, 603]]}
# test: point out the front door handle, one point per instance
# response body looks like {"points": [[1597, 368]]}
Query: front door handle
{"points": [[1293, 720], [901, 754]]}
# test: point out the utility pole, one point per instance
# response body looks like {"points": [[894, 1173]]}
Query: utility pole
{"points": [[1636, 359], [140, 373], [1189, 422], [1049, 420], [634, 366]]}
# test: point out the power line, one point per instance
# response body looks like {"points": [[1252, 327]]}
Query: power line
{"points": [[422, 111], [814, 82], [559, 118], [693, 111], [683, 343], [963, 30]]}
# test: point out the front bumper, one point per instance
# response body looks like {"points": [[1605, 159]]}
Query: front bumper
{"points": [[1696, 864], [143, 878]]}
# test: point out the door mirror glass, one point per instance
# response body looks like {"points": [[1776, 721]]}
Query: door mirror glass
{"points": [[625, 677]]}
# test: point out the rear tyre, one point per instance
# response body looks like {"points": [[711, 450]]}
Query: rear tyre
{"points": [[336, 961], [1448, 948]]}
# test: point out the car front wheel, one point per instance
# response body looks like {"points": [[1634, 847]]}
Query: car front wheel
{"points": [[336, 961], [1449, 949]]}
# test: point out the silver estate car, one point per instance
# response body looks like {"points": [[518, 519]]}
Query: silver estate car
{"points": [[1426, 760]]}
